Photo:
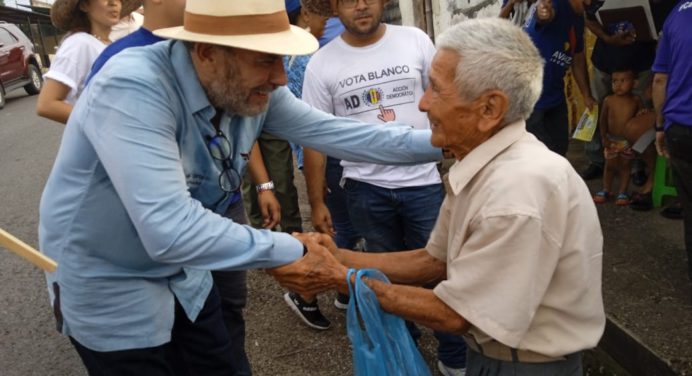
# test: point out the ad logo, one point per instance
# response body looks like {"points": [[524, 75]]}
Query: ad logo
{"points": [[372, 96]]}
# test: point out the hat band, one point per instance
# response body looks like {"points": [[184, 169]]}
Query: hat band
{"points": [[237, 25]]}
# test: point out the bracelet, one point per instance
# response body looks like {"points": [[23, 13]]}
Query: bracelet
{"points": [[268, 186], [658, 128]]}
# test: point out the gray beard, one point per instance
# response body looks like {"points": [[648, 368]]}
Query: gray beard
{"points": [[228, 94]]}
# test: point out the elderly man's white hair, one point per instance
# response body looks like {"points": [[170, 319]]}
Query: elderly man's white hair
{"points": [[496, 54]]}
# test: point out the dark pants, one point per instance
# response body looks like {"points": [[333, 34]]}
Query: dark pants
{"points": [[232, 288], [679, 145], [550, 126], [481, 365], [199, 348]]}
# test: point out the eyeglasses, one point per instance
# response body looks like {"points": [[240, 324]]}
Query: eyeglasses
{"points": [[220, 149], [354, 3]]}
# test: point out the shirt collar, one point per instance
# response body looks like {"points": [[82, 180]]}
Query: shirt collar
{"points": [[186, 75], [461, 173]]}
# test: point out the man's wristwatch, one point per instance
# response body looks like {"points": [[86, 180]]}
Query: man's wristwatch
{"points": [[268, 186], [658, 128]]}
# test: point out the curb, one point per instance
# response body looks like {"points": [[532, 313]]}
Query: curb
{"points": [[630, 352]]}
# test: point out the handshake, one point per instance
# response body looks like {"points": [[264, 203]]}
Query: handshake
{"points": [[317, 271]]}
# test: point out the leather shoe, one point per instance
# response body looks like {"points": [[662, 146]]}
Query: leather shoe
{"points": [[592, 172]]}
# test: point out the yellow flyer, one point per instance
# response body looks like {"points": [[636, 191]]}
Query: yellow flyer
{"points": [[586, 125]]}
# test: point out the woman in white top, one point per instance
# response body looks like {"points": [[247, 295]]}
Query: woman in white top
{"points": [[88, 23]]}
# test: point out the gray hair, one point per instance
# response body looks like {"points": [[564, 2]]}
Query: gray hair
{"points": [[496, 55]]}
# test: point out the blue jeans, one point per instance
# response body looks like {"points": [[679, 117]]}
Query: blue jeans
{"points": [[346, 236], [396, 220], [298, 153], [393, 219]]}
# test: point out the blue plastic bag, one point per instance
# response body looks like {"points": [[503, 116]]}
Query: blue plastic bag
{"points": [[382, 346]]}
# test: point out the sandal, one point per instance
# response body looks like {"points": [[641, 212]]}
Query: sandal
{"points": [[623, 199], [601, 197]]}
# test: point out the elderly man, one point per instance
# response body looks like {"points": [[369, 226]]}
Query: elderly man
{"points": [[151, 159], [392, 207], [517, 247]]}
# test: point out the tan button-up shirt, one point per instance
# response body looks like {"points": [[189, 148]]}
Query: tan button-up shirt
{"points": [[523, 245]]}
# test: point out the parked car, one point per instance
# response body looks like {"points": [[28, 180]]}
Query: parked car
{"points": [[19, 65]]}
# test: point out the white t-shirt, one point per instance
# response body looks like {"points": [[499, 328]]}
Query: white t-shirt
{"points": [[72, 62], [358, 82], [521, 238]]}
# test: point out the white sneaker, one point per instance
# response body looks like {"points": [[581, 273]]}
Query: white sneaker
{"points": [[449, 371]]}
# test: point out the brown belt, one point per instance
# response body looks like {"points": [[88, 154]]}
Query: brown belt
{"points": [[497, 350]]}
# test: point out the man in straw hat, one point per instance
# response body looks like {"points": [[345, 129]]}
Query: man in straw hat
{"points": [[151, 159], [517, 248], [231, 284]]}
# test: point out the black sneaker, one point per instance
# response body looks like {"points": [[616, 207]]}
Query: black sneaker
{"points": [[341, 301], [592, 172], [308, 312]]}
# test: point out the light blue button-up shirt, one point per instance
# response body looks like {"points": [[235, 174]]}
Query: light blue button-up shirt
{"points": [[131, 208]]}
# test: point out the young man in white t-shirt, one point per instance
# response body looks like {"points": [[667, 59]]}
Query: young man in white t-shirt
{"points": [[377, 73]]}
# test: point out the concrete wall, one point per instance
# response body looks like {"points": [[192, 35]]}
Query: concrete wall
{"points": [[446, 12]]}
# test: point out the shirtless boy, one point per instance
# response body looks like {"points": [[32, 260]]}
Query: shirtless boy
{"points": [[618, 108]]}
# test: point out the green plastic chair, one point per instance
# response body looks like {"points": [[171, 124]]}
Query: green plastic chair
{"points": [[663, 182]]}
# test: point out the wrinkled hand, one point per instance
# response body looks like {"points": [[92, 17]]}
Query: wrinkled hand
{"points": [[270, 208], [321, 239], [661, 144], [316, 272], [322, 219]]}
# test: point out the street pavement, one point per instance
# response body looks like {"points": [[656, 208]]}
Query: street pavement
{"points": [[645, 285]]}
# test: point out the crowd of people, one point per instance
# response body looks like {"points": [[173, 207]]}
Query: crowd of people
{"points": [[179, 148]]}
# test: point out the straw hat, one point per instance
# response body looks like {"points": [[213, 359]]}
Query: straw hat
{"points": [[258, 25], [65, 14]]}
